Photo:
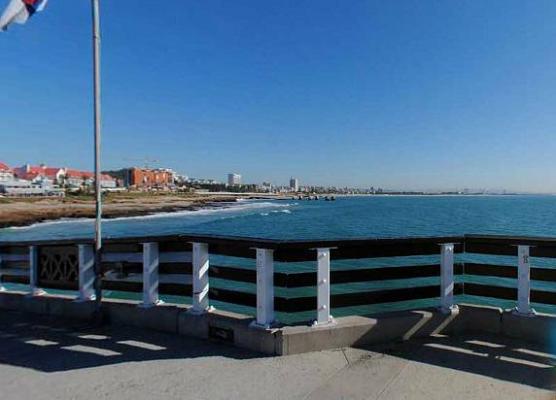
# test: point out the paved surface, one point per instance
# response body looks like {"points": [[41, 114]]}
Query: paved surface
{"points": [[41, 358]]}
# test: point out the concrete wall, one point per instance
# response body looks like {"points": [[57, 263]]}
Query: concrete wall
{"points": [[347, 331]]}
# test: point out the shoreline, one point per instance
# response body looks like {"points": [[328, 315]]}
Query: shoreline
{"points": [[20, 213]]}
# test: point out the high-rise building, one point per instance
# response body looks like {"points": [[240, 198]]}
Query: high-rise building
{"points": [[294, 184], [234, 179]]}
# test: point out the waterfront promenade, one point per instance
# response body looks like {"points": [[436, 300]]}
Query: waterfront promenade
{"points": [[46, 358]]}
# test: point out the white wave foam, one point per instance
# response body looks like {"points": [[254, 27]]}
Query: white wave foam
{"points": [[245, 205], [281, 211], [46, 223], [229, 207]]}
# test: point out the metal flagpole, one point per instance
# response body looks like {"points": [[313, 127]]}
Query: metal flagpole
{"points": [[97, 127]]}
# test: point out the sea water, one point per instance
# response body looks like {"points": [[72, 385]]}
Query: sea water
{"points": [[347, 217]]}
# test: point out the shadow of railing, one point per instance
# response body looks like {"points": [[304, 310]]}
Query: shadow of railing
{"points": [[52, 345], [488, 355]]}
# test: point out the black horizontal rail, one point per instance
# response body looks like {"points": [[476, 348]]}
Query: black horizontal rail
{"points": [[61, 285], [122, 286], [284, 250], [303, 279], [304, 250], [165, 288], [234, 297], [293, 279], [235, 274], [21, 279], [497, 292], [506, 245], [299, 304], [508, 293], [508, 271], [500, 271], [131, 267], [24, 265], [14, 250], [388, 296]]}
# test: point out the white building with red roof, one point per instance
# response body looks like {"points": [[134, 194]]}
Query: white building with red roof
{"points": [[48, 176], [76, 178], [40, 173], [6, 173]]}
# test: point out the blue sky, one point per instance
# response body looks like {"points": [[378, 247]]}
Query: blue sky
{"points": [[398, 94]]}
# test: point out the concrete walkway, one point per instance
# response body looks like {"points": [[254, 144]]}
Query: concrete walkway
{"points": [[43, 358]]}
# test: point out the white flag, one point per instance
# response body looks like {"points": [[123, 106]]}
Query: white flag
{"points": [[19, 11]]}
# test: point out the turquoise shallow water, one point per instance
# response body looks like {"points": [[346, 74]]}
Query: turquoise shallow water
{"points": [[378, 216]]}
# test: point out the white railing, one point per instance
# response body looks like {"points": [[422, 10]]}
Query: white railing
{"points": [[151, 258]]}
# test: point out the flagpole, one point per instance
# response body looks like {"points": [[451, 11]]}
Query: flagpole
{"points": [[97, 129]]}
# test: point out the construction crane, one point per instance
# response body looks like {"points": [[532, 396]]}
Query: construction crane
{"points": [[146, 161]]}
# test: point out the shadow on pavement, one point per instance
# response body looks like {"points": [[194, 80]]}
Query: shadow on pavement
{"points": [[53, 344], [487, 355]]}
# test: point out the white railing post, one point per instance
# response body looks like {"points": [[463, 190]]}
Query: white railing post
{"points": [[86, 255], [323, 288], [34, 272], [523, 283], [265, 288], [200, 279], [150, 275], [447, 278]]}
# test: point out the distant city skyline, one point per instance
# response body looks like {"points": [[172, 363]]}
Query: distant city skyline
{"points": [[401, 95], [233, 179]]}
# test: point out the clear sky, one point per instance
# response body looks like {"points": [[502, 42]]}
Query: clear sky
{"points": [[399, 94]]}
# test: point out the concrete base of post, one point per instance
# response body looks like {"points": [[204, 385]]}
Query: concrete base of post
{"points": [[265, 327], [530, 314], [150, 305], [84, 299], [331, 321], [449, 310], [193, 311], [36, 293]]}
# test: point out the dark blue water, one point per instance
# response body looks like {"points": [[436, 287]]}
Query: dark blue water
{"points": [[378, 216]]}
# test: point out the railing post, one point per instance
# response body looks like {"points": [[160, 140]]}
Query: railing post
{"points": [[323, 288], [523, 283], [34, 272], [86, 272], [150, 275], [200, 279], [447, 278], [265, 288]]}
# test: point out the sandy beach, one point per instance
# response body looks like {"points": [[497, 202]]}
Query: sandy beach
{"points": [[27, 211]]}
